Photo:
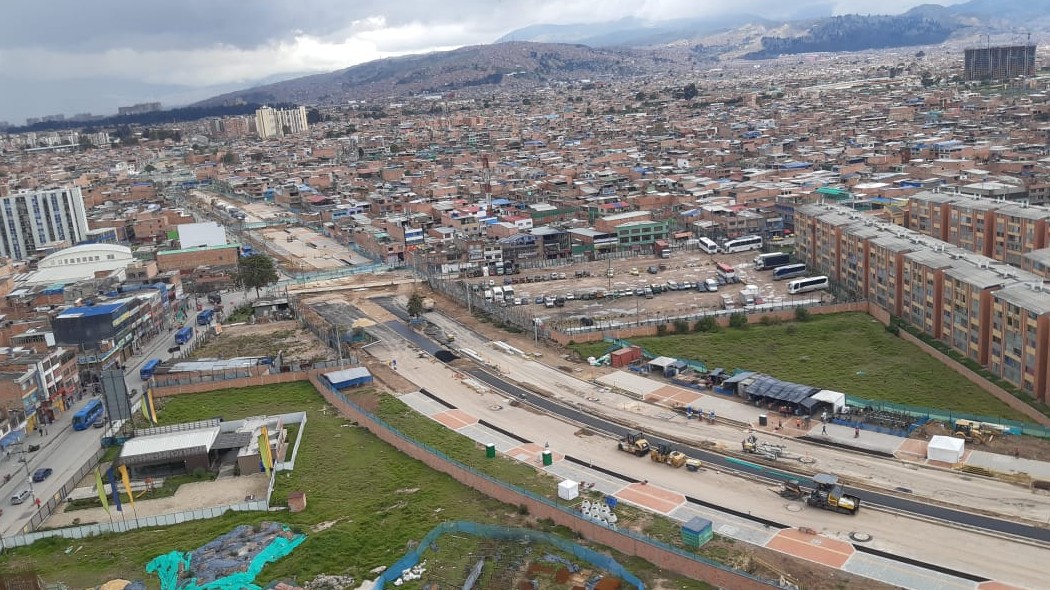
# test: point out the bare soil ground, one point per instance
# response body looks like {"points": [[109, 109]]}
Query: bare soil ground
{"points": [[266, 340], [191, 496], [1027, 447]]}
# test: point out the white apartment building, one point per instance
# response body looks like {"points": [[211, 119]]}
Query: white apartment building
{"points": [[270, 122], [31, 219]]}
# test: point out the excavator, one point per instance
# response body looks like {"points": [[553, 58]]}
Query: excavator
{"points": [[828, 494], [972, 432], [634, 443], [665, 454]]}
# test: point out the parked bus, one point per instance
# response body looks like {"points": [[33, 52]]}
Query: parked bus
{"points": [[184, 335], [204, 317], [726, 273], [789, 271], [87, 415], [146, 372], [771, 260], [742, 244], [808, 284], [708, 246]]}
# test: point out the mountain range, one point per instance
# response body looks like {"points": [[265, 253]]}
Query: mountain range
{"points": [[633, 47]]}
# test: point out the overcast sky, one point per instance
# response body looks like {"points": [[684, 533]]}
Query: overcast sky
{"points": [[70, 56]]}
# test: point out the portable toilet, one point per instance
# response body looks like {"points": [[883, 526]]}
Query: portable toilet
{"points": [[697, 532]]}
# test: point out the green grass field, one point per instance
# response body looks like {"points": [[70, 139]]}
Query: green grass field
{"points": [[366, 501], [851, 353]]}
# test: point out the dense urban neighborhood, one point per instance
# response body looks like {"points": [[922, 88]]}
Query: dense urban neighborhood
{"points": [[428, 338]]}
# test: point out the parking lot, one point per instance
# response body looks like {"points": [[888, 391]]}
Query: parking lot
{"points": [[644, 286]]}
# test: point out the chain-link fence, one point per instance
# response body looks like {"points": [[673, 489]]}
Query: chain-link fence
{"points": [[948, 416], [600, 561], [636, 537]]}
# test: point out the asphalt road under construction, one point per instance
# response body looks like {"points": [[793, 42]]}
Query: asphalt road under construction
{"points": [[896, 503]]}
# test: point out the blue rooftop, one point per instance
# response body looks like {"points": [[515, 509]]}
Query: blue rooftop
{"points": [[91, 310]]}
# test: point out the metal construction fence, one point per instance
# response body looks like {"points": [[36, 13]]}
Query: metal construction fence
{"points": [[120, 523], [637, 537], [51, 504], [949, 416], [598, 560], [524, 318]]}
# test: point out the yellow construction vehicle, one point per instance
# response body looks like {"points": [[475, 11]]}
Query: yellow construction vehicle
{"points": [[972, 432], [828, 494], [634, 443], [665, 454]]}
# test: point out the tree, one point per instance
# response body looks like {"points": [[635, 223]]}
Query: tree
{"points": [[689, 92], [415, 304], [737, 320], [255, 271], [149, 169], [229, 158]]}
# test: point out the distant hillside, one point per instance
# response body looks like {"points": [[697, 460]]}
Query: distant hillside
{"points": [[631, 32], [445, 71], [857, 33]]}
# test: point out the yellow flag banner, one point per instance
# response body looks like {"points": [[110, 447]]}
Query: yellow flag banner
{"points": [[101, 490], [152, 405], [268, 452], [126, 480], [263, 443]]}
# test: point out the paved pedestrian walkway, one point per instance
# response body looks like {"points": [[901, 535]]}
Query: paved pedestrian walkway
{"points": [[800, 543]]}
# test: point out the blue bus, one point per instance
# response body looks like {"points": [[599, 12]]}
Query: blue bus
{"points": [[184, 335], [87, 415], [146, 372], [789, 271], [204, 317]]}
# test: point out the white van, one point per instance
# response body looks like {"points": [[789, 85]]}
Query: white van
{"points": [[712, 285]]}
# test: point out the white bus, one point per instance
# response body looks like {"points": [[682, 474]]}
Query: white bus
{"points": [[497, 294], [788, 271], [708, 245], [808, 284], [742, 244]]}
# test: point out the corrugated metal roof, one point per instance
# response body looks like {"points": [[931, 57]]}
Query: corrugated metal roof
{"points": [[187, 439], [347, 374]]}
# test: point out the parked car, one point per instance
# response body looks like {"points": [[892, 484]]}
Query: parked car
{"points": [[20, 497], [712, 285], [41, 474], [101, 422]]}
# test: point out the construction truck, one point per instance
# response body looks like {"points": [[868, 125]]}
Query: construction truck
{"points": [[972, 432], [828, 494], [665, 454], [634, 443]]}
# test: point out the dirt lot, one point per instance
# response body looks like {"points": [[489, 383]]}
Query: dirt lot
{"points": [[266, 340], [1027, 447], [632, 273]]}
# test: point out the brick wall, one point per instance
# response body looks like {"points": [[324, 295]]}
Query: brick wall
{"points": [[186, 260], [752, 318], [267, 379], [669, 560], [1000, 393]]}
